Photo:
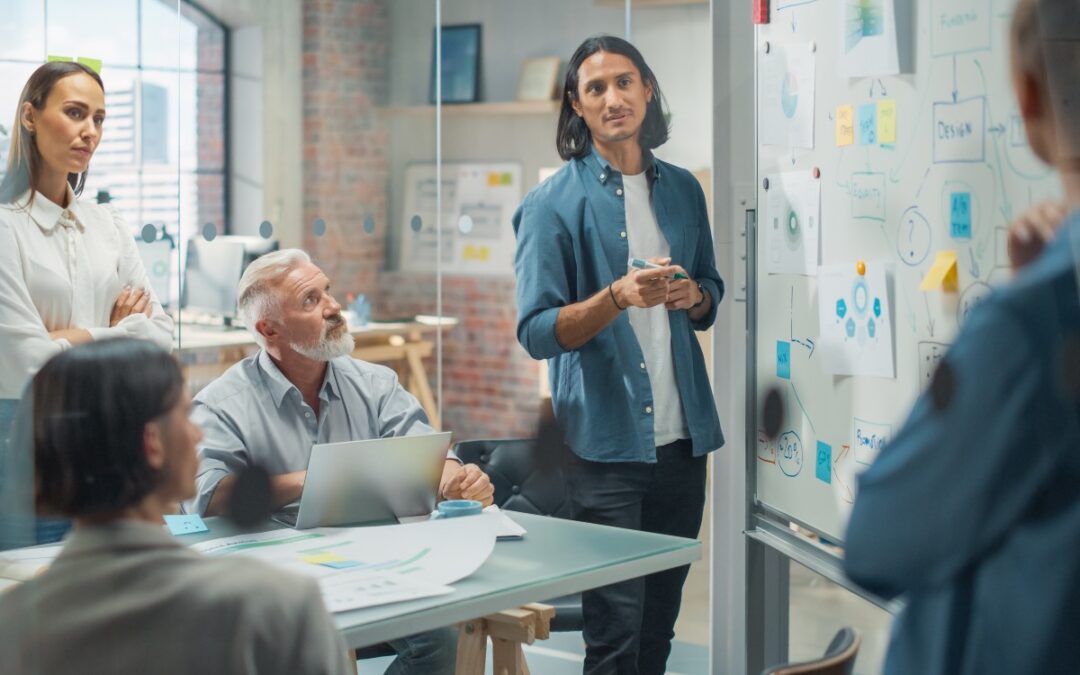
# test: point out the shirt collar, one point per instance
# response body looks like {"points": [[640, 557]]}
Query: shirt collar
{"points": [[48, 214], [280, 386], [603, 170], [117, 535]]}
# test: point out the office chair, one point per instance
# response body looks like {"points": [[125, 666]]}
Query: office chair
{"points": [[529, 480], [839, 658]]}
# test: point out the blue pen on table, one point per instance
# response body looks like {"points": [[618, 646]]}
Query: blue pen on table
{"points": [[646, 265]]}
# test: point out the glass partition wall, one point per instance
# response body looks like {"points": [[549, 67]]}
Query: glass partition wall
{"points": [[229, 135]]}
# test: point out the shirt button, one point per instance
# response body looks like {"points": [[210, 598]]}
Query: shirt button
{"points": [[618, 191], [307, 415], [642, 364], [648, 410], [623, 234]]}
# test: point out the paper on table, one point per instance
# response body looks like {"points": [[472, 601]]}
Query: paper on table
{"points": [[792, 219], [868, 38], [856, 335], [21, 564], [385, 564], [787, 97], [508, 528]]}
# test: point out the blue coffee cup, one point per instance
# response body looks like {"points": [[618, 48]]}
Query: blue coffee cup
{"points": [[454, 508]]}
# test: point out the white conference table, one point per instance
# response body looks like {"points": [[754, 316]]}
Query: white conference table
{"points": [[555, 558]]}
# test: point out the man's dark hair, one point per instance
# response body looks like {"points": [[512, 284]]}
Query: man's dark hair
{"points": [[573, 137], [91, 405]]}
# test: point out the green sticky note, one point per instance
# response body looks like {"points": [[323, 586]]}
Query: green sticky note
{"points": [[507, 179], [92, 64], [54, 57]]}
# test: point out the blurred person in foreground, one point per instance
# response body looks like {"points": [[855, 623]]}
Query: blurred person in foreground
{"points": [[114, 449], [971, 515]]}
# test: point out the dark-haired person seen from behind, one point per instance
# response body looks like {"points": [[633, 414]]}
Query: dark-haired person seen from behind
{"points": [[114, 449], [629, 385], [972, 513]]}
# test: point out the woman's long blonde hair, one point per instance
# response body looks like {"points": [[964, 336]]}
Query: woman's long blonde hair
{"points": [[24, 158]]}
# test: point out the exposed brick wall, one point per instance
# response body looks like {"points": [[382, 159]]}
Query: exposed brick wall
{"points": [[489, 382], [345, 73], [210, 127]]}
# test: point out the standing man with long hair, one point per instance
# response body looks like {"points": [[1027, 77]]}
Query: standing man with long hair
{"points": [[628, 379]]}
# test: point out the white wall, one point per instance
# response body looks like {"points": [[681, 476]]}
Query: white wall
{"points": [[267, 154]]}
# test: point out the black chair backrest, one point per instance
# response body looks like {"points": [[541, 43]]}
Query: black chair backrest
{"points": [[839, 658], [526, 479]]}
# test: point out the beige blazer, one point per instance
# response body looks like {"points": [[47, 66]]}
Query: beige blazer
{"points": [[128, 598]]}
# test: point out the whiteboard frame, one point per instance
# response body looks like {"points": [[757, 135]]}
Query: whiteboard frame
{"points": [[771, 544]]}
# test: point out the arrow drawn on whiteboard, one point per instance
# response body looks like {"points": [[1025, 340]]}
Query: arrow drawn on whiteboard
{"points": [[808, 343], [923, 183], [929, 316], [955, 93], [974, 263]]}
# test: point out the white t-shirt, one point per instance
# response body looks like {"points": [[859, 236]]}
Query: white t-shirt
{"points": [[64, 268], [651, 325]]}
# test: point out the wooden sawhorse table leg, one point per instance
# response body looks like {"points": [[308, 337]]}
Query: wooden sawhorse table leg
{"points": [[508, 630]]}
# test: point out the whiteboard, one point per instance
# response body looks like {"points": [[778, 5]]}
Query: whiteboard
{"points": [[478, 203], [957, 172]]}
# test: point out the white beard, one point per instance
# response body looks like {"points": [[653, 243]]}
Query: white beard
{"points": [[328, 348]]}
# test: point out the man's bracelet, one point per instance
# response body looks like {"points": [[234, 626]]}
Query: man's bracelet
{"points": [[611, 292]]}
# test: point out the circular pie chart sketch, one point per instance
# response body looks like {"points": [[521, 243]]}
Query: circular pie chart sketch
{"points": [[791, 232], [789, 95], [914, 238]]}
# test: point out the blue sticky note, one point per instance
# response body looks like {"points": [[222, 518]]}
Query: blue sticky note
{"points": [[783, 359], [823, 469], [960, 215], [179, 525], [868, 124]]}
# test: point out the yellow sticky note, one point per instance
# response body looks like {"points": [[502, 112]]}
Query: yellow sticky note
{"points": [[886, 122], [493, 179], [942, 274], [845, 125], [322, 558], [92, 64]]}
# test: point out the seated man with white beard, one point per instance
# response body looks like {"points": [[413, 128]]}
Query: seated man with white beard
{"points": [[303, 388]]}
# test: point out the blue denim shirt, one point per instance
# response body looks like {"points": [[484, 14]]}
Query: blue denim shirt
{"points": [[571, 243], [971, 512]]}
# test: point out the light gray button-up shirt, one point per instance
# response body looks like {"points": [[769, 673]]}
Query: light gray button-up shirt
{"points": [[253, 414]]}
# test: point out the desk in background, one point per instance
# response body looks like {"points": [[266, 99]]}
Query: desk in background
{"points": [[206, 353], [557, 557]]}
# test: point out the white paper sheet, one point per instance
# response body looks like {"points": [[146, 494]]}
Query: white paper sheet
{"points": [[366, 566], [856, 332], [868, 38], [793, 222], [21, 564], [787, 99]]}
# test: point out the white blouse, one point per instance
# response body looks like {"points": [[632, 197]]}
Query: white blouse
{"points": [[64, 268]]}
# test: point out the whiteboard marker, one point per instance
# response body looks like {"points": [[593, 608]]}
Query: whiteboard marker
{"points": [[646, 265]]}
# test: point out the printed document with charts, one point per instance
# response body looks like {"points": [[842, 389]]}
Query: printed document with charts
{"points": [[366, 566]]}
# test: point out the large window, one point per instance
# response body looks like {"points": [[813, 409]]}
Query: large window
{"points": [[162, 159]]}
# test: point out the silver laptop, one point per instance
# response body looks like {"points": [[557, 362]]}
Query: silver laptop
{"points": [[382, 480]]}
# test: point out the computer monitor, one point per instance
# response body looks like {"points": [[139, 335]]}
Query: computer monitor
{"points": [[214, 269]]}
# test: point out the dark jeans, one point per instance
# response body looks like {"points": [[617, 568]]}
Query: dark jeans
{"points": [[629, 625]]}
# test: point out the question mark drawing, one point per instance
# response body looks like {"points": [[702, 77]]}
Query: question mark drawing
{"points": [[913, 248]]}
